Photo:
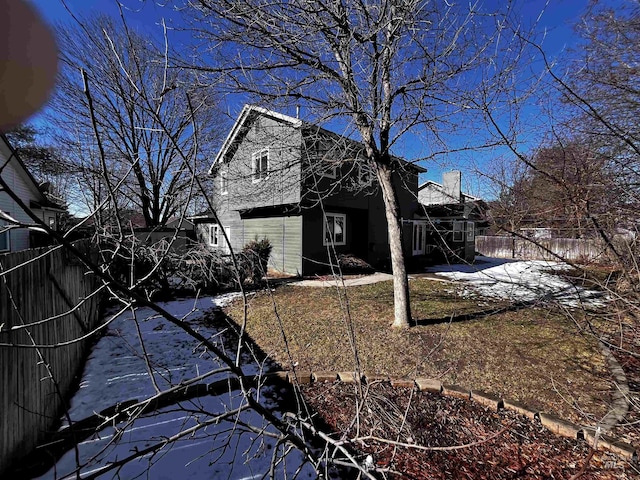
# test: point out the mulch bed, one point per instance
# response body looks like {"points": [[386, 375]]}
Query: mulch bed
{"points": [[629, 429], [503, 445]]}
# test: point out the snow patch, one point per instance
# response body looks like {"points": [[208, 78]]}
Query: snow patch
{"points": [[520, 281], [116, 371]]}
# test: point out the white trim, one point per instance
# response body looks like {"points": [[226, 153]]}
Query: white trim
{"points": [[471, 231], [325, 232], [224, 182], [459, 230], [6, 233], [226, 243], [419, 236], [254, 170], [237, 128]]}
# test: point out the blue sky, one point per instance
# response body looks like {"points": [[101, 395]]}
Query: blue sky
{"points": [[556, 21]]}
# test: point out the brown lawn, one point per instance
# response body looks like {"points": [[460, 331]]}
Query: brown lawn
{"points": [[534, 355]]}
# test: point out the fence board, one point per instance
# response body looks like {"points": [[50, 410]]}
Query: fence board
{"points": [[29, 402], [577, 250]]}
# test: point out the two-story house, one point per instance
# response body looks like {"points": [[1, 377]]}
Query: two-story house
{"points": [[304, 188], [22, 183]]}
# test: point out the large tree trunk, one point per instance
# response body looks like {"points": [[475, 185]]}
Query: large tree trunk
{"points": [[401, 305]]}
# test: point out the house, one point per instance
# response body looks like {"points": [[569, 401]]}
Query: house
{"points": [[300, 186], [20, 181], [450, 219]]}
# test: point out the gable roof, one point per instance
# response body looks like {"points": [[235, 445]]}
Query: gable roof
{"points": [[248, 112], [251, 111], [41, 201], [439, 188]]}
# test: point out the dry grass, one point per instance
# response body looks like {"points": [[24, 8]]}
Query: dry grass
{"points": [[532, 355]]}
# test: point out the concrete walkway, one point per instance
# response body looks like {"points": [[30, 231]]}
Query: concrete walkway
{"points": [[348, 282]]}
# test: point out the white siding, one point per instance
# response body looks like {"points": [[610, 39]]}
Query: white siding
{"points": [[25, 190]]}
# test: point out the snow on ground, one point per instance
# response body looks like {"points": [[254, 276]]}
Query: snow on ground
{"points": [[520, 281], [116, 371]]}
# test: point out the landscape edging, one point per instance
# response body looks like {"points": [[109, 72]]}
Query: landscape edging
{"points": [[551, 422]]}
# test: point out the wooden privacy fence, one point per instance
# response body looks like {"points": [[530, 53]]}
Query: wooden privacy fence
{"points": [[36, 285], [578, 250]]}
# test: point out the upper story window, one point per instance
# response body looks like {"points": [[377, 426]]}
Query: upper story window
{"points": [[224, 182], [365, 174], [260, 165], [329, 169], [335, 229]]}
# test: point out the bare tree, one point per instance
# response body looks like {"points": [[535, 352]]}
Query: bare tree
{"points": [[385, 68], [130, 87], [559, 188]]}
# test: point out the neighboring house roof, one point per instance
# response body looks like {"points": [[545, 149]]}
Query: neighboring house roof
{"points": [[250, 111], [439, 188], [180, 222], [40, 201]]}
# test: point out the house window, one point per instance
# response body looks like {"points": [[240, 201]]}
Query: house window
{"points": [[224, 183], [4, 237], [365, 175], [458, 231], [52, 223], [471, 234], [260, 165], [216, 238], [334, 230], [214, 235], [329, 169]]}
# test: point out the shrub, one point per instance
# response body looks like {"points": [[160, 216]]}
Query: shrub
{"points": [[254, 259]]}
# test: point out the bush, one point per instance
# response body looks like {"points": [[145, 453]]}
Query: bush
{"points": [[197, 269], [254, 259]]}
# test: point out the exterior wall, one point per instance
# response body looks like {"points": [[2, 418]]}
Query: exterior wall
{"points": [[444, 248], [24, 188], [432, 194], [281, 186], [302, 164], [229, 219], [285, 236], [317, 257], [365, 211]]}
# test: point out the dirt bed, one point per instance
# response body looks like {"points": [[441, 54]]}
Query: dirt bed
{"points": [[502, 445]]}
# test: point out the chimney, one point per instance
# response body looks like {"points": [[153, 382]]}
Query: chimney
{"points": [[451, 186]]}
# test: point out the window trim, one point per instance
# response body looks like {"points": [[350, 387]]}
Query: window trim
{"points": [[325, 226], [471, 231], [226, 246], [7, 233], [331, 172], [224, 183], [254, 171], [365, 175], [458, 232]]}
